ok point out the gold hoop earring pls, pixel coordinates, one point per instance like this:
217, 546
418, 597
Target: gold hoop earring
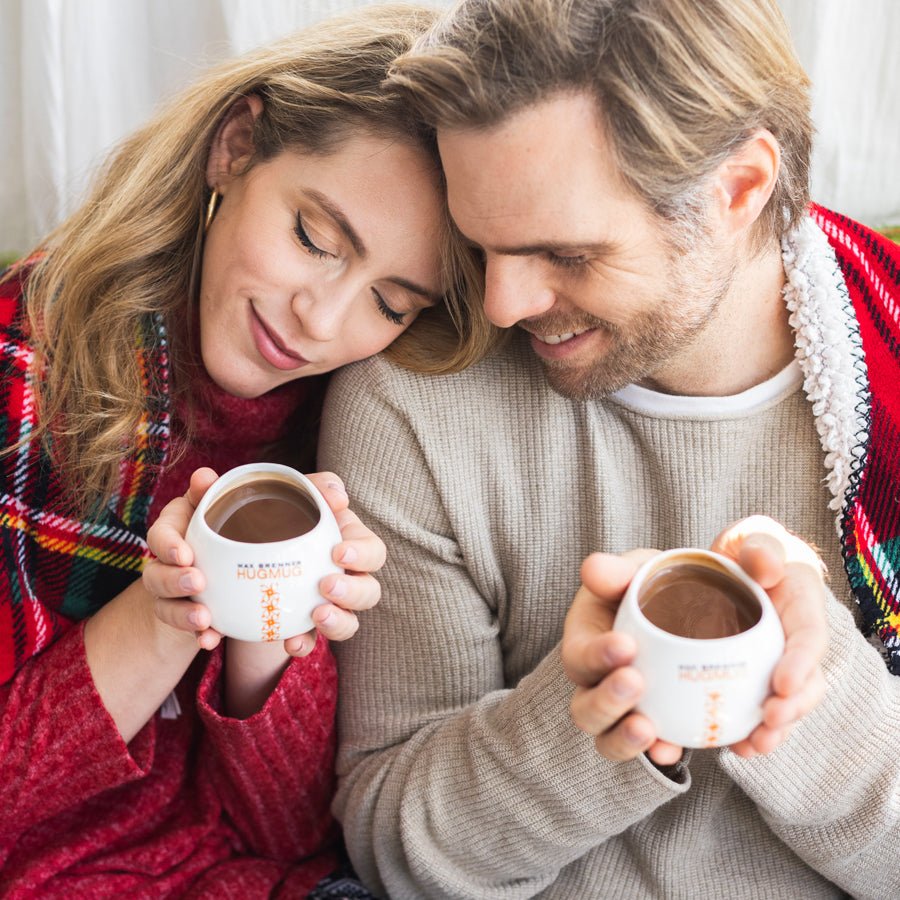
210, 209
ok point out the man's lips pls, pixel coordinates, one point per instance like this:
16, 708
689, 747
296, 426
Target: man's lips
559, 346
270, 346
558, 338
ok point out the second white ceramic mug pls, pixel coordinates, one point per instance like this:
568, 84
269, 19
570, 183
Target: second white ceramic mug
702, 692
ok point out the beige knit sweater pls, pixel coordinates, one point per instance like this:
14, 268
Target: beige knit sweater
461, 773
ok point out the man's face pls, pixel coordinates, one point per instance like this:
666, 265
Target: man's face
572, 256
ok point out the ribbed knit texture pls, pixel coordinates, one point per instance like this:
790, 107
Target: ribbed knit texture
198, 800
461, 773
199, 805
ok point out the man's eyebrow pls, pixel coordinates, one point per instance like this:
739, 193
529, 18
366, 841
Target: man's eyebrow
337, 215
573, 247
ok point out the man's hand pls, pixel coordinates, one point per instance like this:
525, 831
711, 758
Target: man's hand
608, 688
598, 660
794, 578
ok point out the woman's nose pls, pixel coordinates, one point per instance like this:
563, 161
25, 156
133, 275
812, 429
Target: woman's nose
514, 290
321, 312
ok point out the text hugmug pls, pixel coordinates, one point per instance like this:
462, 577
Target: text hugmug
263, 536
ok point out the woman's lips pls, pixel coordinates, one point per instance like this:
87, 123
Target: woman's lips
271, 348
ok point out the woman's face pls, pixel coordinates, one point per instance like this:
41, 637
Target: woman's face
314, 261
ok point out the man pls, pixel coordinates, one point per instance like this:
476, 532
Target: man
692, 344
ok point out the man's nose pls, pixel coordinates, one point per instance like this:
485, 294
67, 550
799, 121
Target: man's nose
514, 290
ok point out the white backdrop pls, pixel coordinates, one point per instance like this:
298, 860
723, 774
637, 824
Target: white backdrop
77, 75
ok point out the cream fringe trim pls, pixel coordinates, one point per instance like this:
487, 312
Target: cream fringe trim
829, 350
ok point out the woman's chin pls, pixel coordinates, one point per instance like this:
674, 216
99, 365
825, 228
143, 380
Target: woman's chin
231, 382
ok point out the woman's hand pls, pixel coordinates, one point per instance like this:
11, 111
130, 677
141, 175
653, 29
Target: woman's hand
170, 576
172, 579
360, 553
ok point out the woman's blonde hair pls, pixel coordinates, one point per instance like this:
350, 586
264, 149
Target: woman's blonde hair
679, 84
133, 249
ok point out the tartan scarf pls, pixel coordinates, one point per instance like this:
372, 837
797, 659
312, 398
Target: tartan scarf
843, 291
57, 569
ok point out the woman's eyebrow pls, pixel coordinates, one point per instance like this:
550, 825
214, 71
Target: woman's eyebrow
339, 217
416, 289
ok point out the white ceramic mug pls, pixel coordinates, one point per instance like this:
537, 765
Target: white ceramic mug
702, 692
264, 590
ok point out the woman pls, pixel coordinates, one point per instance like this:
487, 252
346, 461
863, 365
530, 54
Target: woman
283, 217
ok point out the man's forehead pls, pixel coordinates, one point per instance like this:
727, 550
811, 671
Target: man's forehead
559, 115
540, 170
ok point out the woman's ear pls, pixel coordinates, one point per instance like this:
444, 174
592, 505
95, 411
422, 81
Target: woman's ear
745, 181
232, 146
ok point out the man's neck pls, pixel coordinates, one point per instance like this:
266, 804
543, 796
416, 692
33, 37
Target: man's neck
747, 341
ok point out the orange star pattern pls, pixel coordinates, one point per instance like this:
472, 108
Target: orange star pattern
271, 614
713, 725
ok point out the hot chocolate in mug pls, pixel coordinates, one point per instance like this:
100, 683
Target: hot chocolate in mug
707, 639
262, 536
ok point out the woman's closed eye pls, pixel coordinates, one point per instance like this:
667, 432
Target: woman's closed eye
381, 303
306, 241
388, 312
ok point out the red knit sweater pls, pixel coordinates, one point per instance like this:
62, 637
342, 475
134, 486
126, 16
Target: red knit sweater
197, 804
200, 805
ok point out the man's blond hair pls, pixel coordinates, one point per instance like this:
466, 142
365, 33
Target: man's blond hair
680, 85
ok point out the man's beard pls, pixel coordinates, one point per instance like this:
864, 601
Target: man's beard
693, 294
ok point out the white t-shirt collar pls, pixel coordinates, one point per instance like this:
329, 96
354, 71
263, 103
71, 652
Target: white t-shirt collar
655, 403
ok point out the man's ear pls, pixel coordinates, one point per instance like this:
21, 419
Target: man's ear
232, 146
745, 181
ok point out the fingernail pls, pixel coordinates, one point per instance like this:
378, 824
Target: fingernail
194, 619
337, 486
350, 555
186, 583
339, 589
623, 689
633, 736
328, 620
173, 555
